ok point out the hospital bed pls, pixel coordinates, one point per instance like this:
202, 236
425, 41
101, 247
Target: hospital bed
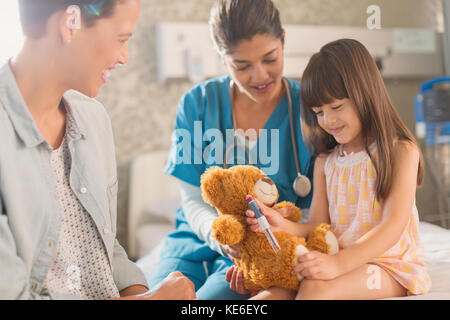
154, 198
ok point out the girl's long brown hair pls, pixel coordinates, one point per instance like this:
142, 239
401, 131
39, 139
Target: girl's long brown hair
345, 69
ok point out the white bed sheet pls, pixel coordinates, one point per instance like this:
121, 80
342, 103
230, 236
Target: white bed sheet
436, 241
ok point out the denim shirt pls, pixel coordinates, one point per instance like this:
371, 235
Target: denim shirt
29, 210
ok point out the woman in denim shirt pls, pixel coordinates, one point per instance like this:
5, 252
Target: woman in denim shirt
58, 181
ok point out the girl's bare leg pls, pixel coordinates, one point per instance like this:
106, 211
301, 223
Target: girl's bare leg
275, 293
369, 282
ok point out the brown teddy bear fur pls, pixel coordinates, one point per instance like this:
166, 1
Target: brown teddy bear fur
226, 190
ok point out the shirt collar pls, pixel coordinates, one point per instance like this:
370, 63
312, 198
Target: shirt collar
74, 129
21, 118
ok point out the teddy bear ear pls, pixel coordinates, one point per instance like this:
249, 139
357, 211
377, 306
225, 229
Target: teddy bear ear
266, 191
210, 173
212, 185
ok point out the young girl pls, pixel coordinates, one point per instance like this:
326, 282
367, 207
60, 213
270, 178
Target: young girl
366, 173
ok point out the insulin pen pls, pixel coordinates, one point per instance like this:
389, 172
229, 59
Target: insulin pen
263, 224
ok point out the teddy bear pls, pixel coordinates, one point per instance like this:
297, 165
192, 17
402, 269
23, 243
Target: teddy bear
226, 190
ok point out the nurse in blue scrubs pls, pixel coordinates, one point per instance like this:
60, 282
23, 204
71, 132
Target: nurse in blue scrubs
253, 98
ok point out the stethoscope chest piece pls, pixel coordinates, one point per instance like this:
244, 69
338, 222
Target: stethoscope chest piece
302, 185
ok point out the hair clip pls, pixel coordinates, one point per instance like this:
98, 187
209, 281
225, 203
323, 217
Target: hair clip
93, 8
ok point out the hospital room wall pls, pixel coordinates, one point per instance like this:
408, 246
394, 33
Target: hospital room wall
143, 111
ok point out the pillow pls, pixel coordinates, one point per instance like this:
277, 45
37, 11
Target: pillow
162, 211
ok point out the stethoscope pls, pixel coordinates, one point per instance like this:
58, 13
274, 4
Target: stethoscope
301, 184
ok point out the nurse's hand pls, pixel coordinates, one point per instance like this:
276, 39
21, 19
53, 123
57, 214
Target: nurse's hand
275, 217
231, 252
236, 279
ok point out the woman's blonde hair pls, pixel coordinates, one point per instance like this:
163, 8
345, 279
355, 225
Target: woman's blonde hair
35, 13
344, 69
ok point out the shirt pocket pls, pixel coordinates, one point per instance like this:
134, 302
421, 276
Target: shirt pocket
111, 193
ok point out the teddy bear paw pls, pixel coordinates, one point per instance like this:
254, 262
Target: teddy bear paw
299, 251
333, 244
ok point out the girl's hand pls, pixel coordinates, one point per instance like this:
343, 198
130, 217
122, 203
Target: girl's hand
315, 265
275, 217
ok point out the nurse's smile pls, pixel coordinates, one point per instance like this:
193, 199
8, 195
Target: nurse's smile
262, 89
256, 66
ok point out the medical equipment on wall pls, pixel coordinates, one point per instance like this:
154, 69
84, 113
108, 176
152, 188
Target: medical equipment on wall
302, 184
432, 109
185, 50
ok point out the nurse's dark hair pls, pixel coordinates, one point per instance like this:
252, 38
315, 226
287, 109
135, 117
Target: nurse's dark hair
344, 69
233, 21
35, 13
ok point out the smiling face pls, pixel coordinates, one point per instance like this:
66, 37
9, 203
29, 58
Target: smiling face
340, 119
96, 50
256, 67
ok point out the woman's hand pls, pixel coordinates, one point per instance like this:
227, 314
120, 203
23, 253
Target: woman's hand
275, 217
175, 287
315, 265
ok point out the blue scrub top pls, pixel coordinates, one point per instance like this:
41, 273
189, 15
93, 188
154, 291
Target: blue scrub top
205, 111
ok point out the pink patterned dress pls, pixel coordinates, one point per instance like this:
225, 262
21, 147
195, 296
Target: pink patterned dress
354, 211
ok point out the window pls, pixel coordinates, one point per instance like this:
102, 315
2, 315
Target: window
11, 37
